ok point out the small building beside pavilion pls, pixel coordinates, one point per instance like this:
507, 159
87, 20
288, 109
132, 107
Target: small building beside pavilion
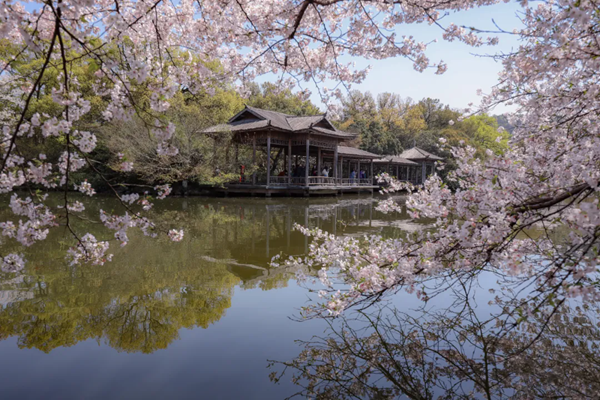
424, 158
413, 165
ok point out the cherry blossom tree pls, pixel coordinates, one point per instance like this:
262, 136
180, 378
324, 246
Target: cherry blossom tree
161, 48
547, 180
530, 215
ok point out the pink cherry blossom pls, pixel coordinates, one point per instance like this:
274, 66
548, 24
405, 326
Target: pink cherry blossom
12, 263
176, 235
89, 249
163, 191
86, 188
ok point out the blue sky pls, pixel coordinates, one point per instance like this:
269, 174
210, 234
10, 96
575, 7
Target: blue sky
467, 71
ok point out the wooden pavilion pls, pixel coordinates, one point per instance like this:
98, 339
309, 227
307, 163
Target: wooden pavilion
358, 161
424, 158
413, 165
398, 167
309, 143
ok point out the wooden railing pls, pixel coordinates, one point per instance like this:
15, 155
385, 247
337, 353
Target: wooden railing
318, 181
279, 180
284, 180
356, 182
321, 181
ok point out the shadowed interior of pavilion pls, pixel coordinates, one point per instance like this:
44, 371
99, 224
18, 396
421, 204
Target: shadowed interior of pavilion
315, 159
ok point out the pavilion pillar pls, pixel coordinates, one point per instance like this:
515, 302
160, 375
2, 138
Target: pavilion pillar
341, 168
349, 168
289, 161
254, 159
307, 164
407, 174
423, 177
358, 172
397, 171
268, 159
318, 161
335, 163
371, 174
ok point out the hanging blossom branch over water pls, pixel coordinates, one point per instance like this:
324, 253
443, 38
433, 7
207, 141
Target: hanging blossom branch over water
448, 353
530, 215
164, 47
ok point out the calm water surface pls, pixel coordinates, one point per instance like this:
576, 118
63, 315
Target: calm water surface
196, 319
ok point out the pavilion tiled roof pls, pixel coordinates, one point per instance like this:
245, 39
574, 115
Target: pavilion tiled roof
298, 123
336, 133
277, 119
354, 152
395, 160
238, 127
285, 122
419, 154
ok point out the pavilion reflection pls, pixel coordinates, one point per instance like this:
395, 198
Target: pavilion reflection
274, 223
272, 232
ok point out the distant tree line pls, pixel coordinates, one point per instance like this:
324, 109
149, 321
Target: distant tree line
388, 124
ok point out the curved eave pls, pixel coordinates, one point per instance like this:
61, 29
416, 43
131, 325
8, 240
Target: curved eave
352, 152
333, 134
395, 162
430, 159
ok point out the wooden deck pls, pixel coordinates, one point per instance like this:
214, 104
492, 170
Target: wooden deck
284, 186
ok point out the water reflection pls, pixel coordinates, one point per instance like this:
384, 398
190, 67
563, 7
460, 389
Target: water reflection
451, 353
153, 288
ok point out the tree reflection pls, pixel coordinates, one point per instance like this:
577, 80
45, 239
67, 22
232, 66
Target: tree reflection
153, 289
140, 310
451, 353
136, 304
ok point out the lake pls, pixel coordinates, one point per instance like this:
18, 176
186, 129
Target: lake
194, 319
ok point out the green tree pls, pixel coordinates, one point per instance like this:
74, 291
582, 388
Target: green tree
358, 106
376, 139
482, 132
269, 96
